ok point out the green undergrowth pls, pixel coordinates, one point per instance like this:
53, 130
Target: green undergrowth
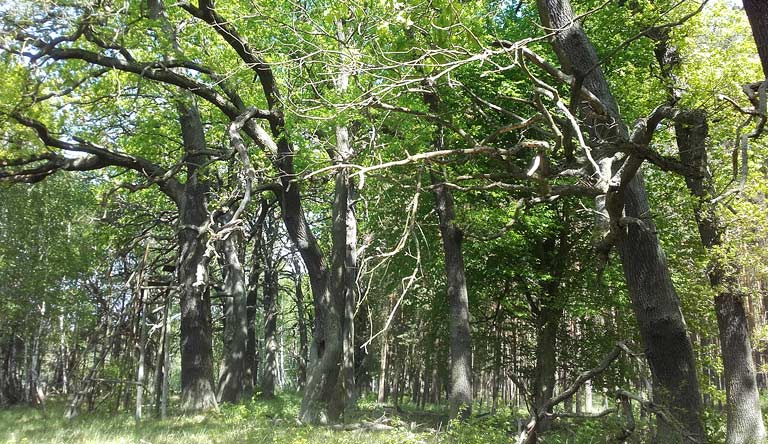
274, 422
260, 421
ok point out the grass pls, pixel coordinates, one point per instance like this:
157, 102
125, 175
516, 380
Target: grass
257, 422
273, 422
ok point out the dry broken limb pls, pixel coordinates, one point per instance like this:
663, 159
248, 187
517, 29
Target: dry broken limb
527, 437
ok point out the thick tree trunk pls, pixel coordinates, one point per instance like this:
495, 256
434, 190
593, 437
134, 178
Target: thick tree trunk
458, 303
251, 351
654, 300
324, 353
10, 383
757, 13
362, 362
301, 325
547, 325
252, 346
270, 374
663, 330
331, 385
552, 254
745, 421
344, 281
232, 373
196, 347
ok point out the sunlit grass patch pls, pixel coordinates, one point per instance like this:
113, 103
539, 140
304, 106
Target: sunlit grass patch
257, 422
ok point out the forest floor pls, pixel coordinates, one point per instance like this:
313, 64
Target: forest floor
268, 422
274, 422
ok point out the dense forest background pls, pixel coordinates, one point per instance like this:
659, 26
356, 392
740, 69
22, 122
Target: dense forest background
470, 221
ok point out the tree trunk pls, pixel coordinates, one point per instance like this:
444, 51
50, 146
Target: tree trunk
251, 353
745, 421
232, 373
548, 323
269, 375
196, 348
381, 396
301, 325
142, 343
497, 351
10, 383
35, 394
552, 254
458, 303
63, 358
344, 280
326, 343
757, 13
362, 362
252, 347
654, 300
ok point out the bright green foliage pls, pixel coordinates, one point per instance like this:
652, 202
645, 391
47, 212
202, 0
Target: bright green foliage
46, 248
397, 53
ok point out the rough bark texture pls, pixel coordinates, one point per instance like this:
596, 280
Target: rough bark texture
249, 377
232, 374
381, 395
196, 347
10, 382
281, 151
363, 363
301, 325
269, 374
654, 300
547, 324
745, 421
460, 344
458, 303
343, 281
757, 13
657, 309
552, 253
331, 385
254, 283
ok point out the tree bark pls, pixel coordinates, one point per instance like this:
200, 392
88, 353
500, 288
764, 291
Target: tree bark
251, 352
63, 358
232, 373
552, 254
654, 300
166, 356
142, 346
548, 323
35, 395
269, 375
252, 348
196, 348
381, 396
745, 421
343, 282
301, 325
458, 300
757, 13
331, 384
458, 303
